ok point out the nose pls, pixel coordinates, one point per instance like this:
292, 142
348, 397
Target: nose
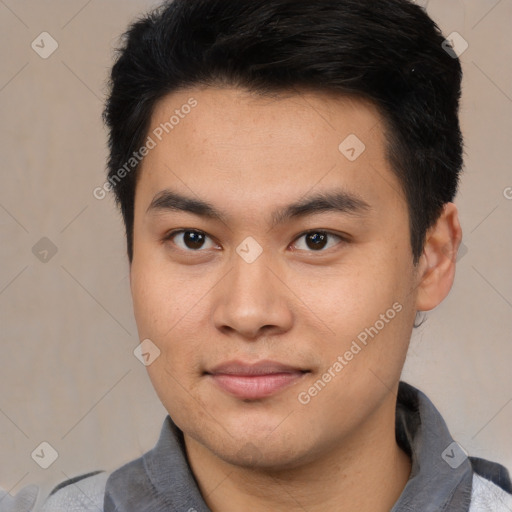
252, 300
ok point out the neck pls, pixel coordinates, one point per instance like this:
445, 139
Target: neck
366, 472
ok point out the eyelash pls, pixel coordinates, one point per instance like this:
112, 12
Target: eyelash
168, 237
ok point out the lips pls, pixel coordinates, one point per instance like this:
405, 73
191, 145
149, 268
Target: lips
254, 381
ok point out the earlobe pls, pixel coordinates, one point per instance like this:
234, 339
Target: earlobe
437, 263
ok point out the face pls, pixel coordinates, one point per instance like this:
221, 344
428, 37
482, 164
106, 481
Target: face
273, 270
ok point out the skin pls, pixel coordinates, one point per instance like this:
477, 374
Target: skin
298, 304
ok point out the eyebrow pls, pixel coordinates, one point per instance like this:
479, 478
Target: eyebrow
338, 201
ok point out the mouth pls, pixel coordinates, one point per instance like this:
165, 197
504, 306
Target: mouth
254, 381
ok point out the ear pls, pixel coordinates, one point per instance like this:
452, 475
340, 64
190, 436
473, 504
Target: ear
436, 268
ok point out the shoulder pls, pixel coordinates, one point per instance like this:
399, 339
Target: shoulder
492, 488
83, 493
24, 501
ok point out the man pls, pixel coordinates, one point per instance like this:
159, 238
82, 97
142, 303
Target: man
286, 173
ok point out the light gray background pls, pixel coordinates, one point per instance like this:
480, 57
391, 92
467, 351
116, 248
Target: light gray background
67, 369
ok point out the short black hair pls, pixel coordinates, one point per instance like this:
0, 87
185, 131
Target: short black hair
389, 52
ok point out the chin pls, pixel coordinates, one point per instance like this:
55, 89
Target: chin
265, 456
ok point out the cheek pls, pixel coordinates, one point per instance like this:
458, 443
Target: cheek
159, 297
163, 314
369, 304
169, 314
355, 297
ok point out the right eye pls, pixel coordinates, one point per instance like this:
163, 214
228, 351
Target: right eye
188, 240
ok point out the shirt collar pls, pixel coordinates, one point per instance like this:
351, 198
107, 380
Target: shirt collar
441, 474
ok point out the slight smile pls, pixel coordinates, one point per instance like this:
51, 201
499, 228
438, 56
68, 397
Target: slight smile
254, 381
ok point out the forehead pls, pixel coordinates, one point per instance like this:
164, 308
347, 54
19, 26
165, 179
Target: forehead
238, 146
266, 118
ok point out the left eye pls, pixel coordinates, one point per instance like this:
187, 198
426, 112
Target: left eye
317, 240
195, 240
